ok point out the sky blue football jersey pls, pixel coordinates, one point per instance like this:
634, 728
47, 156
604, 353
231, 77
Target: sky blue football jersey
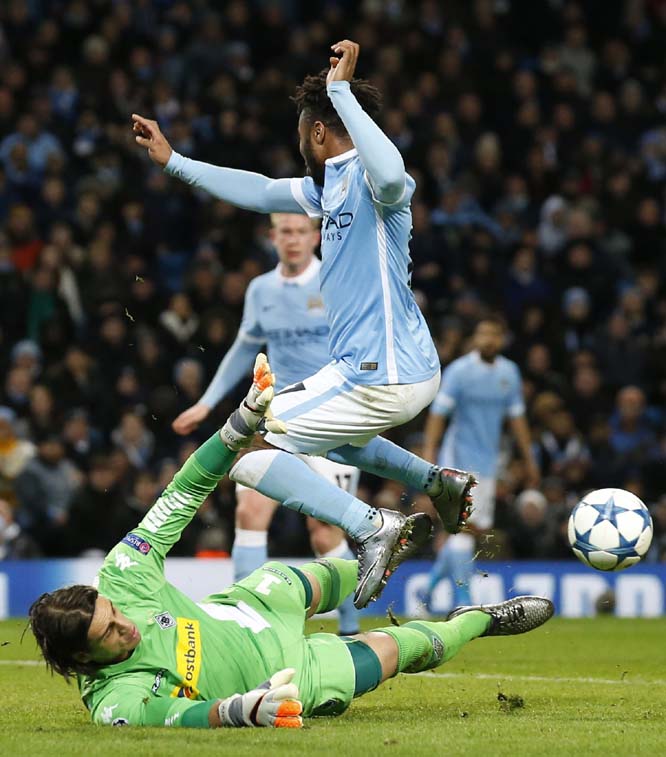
477, 396
287, 315
378, 334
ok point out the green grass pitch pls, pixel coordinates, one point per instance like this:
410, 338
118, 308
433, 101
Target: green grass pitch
573, 687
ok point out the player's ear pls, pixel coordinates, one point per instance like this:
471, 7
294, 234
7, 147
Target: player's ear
319, 132
83, 657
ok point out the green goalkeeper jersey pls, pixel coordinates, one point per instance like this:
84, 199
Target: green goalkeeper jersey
193, 652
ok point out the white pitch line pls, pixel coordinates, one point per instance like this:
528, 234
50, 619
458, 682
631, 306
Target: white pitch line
546, 679
479, 676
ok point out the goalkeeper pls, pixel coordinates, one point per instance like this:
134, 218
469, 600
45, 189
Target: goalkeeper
145, 654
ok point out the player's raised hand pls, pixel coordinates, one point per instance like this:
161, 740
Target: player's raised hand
147, 134
342, 68
274, 704
190, 419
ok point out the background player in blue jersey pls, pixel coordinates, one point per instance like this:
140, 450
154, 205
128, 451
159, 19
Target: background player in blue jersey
478, 391
284, 311
384, 367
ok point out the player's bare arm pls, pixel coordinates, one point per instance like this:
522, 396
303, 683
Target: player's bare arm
190, 419
432, 436
147, 133
521, 434
343, 67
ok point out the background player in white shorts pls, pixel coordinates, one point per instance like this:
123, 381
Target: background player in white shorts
384, 367
478, 391
284, 311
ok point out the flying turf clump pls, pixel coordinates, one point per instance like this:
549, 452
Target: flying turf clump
510, 703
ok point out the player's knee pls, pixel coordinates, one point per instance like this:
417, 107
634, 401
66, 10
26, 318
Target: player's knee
386, 650
314, 595
254, 512
326, 539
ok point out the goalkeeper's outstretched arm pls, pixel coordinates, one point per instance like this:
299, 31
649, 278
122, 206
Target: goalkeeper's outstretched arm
164, 522
273, 704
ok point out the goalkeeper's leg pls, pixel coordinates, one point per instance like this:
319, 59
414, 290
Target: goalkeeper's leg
422, 645
332, 580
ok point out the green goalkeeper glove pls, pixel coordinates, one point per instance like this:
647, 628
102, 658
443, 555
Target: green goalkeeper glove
273, 703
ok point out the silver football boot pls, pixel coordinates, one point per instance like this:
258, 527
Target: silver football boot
379, 555
454, 502
513, 616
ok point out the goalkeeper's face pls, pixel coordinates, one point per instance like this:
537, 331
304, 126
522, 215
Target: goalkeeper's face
111, 637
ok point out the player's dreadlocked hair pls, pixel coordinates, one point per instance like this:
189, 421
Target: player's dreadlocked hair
60, 622
311, 99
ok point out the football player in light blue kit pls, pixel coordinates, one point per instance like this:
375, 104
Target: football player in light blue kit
478, 391
284, 311
384, 368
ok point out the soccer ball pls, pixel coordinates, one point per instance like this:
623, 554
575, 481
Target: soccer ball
610, 529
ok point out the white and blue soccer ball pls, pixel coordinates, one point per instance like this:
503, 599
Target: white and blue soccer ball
610, 529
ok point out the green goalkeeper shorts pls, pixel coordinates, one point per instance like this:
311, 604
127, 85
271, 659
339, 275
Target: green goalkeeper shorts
325, 673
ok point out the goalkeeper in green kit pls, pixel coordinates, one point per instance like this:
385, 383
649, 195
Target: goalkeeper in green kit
145, 654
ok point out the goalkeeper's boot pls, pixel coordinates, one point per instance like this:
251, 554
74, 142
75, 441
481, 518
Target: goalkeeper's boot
379, 555
454, 502
517, 615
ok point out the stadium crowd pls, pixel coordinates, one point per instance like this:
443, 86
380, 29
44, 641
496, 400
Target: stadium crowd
535, 133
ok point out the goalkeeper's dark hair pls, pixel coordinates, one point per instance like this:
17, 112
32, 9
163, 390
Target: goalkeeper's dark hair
60, 621
312, 100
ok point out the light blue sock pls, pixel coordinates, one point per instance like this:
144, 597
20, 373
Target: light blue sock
455, 560
387, 460
461, 571
349, 622
249, 553
288, 480
439, 570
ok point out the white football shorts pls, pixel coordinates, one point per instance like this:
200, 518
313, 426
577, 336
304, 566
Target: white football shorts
327, 411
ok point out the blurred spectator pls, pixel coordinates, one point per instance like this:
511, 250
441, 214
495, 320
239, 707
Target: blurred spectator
40, 145
178, 320
632, 428
552, 228
134, 439
525, 286
589, 402
82, 441
578, 329
532, 528
45, 488
75, 380
14, 543
18, 385
26, 354
188, 376
561, 445
41, 417
15, 454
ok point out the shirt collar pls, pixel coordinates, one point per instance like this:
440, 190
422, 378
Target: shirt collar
342, 157
476, 358
304, 277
